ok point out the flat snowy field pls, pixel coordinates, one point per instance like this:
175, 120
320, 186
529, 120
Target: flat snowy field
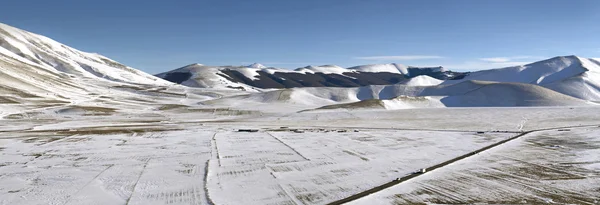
199, 157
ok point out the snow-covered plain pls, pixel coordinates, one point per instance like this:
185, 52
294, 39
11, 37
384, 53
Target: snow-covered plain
182, 156
549, 167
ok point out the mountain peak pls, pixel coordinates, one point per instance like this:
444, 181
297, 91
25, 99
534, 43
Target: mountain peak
193, 65
256, 65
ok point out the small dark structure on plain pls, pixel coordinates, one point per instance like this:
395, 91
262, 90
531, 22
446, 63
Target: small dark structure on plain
247, 130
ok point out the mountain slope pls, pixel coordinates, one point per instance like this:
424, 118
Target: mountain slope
54, 57
38, 73
257, 77
464, 94
571, 75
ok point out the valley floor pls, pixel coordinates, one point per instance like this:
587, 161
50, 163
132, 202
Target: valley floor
177, 157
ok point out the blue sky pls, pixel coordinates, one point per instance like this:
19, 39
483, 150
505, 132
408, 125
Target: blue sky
157, 36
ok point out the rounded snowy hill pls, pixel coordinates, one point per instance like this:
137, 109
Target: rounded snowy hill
571, 75
257, 76
422, 80
469, 93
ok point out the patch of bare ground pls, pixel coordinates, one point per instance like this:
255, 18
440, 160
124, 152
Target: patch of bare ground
114, 130
223, 111
18, 116
42, 139
129, 87
372, 103
171, 106
95, 109
8, 100
89, 110
20, 93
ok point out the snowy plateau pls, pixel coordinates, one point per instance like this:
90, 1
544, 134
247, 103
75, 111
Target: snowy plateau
80, 128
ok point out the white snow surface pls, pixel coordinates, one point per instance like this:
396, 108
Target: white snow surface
327, 69
422, 80
196, 155
257, 65
464, 94
211, 76
390, 68
570, 75
495, 176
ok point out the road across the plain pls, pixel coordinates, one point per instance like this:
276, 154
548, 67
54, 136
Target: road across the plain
437, 166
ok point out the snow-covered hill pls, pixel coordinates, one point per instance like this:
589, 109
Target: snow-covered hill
54, 57
399, 96
257, 76
570, 75
38, 73
422, 80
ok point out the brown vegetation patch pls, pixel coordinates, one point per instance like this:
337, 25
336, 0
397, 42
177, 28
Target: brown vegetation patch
171, 106
7, 100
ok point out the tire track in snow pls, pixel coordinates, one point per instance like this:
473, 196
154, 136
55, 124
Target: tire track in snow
216, 148
138, 180
298, 153
214, 155
206, 195
83, 187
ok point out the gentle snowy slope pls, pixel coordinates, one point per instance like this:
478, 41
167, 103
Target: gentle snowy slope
570, 75
465, 94
198, 75
257, 65
422, 80
390, 68
494, 94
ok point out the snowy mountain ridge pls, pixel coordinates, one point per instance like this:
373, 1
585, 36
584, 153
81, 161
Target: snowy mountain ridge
257, 76
571, 75
39, 72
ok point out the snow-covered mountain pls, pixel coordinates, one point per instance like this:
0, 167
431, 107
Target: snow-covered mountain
257, 76
571, 75
470, 93
54, 57
37, 72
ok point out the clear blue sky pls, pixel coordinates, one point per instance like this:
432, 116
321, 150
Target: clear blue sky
157, 36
